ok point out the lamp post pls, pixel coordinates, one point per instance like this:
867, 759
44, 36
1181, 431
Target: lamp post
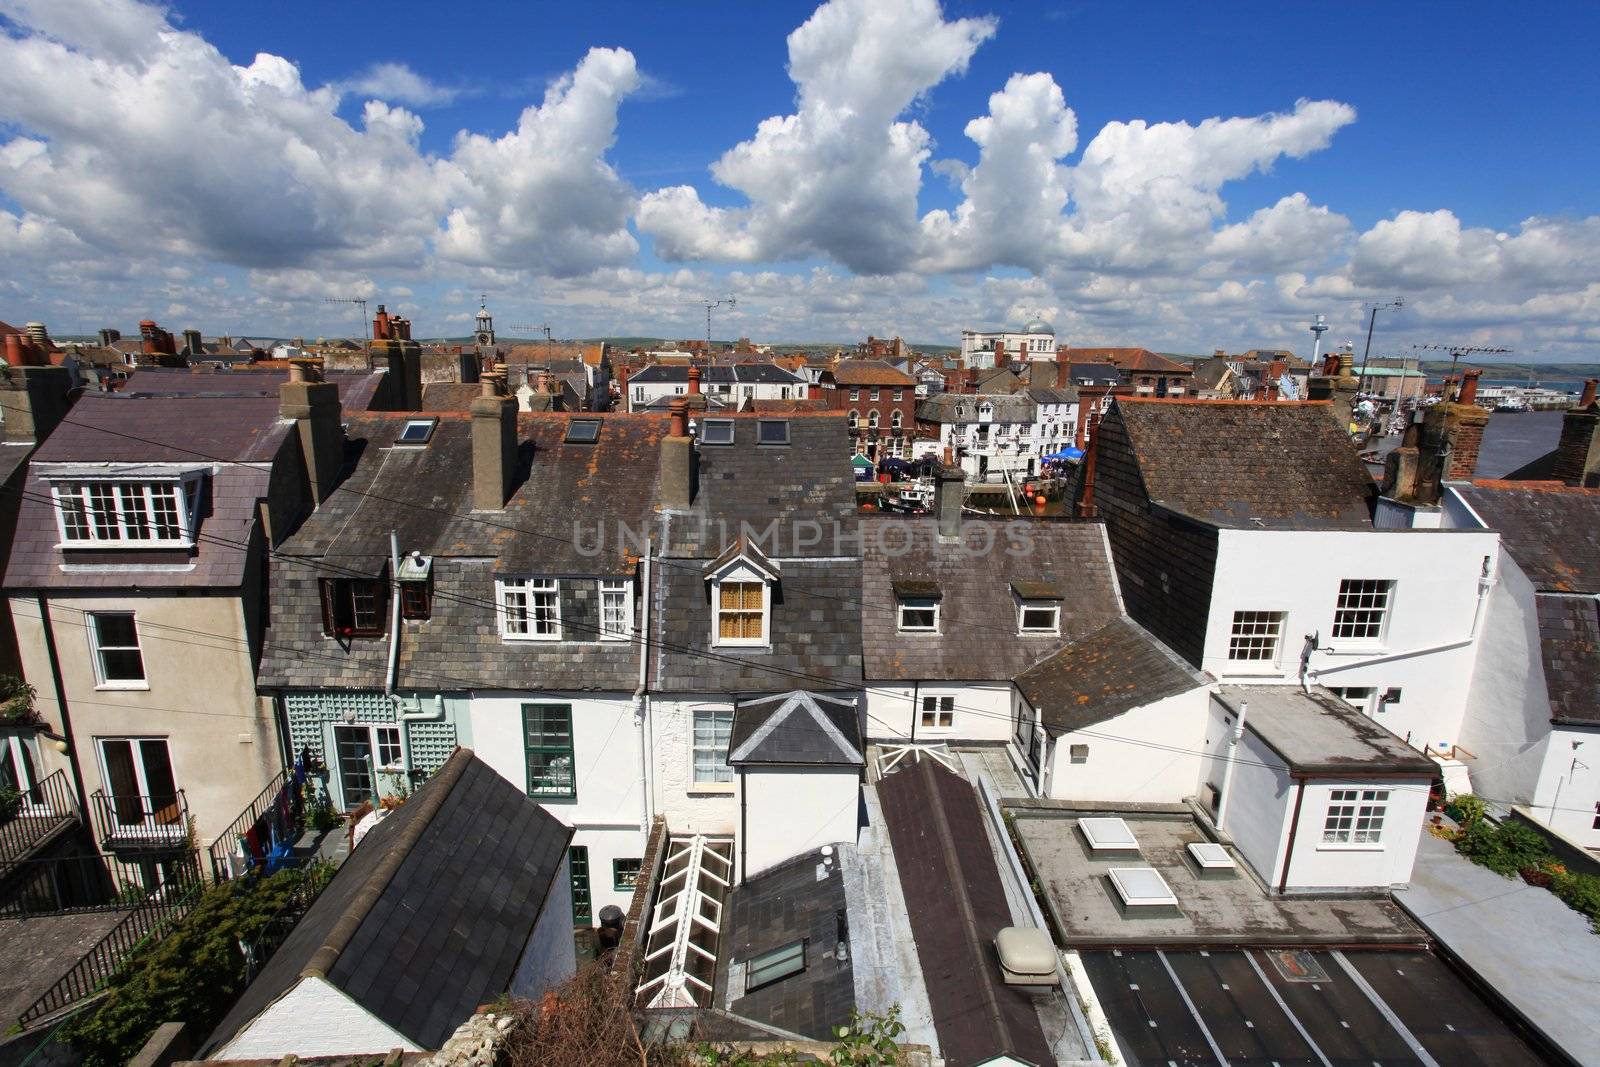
1372, 320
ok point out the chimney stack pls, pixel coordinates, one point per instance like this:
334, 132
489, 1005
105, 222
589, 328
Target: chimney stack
1469, 386
949, 492
36, 396
1578, 454
191, 343
680, 463
694, 380
494, 444
313, 405
40, 335
108, 335
1086, 505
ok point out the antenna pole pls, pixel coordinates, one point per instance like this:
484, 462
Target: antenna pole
1372, 320
732, 302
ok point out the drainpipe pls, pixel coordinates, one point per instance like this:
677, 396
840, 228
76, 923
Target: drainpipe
1227, 768
1294, 829
394, 615
61, 703
641, 696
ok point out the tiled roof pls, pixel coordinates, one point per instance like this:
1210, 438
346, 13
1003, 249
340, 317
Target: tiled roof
428, 917
1103, 674
565, 519
998, 381
356, 388
870, 372
1139, 360
798, 727
1551, 529
977, 638
1569, 646
449, 396
1246, 465
957, 905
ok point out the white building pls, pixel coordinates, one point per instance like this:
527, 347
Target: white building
1034, 341
726, 385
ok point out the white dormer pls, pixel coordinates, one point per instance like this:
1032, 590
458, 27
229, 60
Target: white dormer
127, 507
985, 412
741, 580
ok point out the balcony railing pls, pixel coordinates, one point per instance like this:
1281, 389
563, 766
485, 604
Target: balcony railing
39, 812
141, 820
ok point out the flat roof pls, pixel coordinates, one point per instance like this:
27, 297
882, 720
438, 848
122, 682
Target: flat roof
1315, 1007
1320, 735
1210, 910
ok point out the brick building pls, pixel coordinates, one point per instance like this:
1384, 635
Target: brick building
881, 402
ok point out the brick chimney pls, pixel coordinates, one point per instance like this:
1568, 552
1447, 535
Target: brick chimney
694, 381
313, 405
680, 467
1087, 509
1578, 454
108, 335
191, 343
36, 397
494, 444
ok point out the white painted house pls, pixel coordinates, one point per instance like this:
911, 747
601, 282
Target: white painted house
1034, 341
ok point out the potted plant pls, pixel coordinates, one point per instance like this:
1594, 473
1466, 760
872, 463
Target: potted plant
16, 701
10, 803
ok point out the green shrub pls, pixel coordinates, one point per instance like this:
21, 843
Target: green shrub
1581, 893
194, 974
1466, 809
10, 803
1505, 848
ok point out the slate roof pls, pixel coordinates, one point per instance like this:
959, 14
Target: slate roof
449, 396
962, 408
563, 520
998, 381
778, 907
1043, 394
1248, 465
957, 904
977, 639
1552, 530
356, 388
1099, 676
870, 372
237, 440
719, 373
429, 916
1095, 374
1569, 647
796, 728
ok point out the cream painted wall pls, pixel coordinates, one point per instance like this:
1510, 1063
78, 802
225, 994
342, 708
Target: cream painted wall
1436, 575
201, 696
982, 712
789, 811
690, 807
608, 814
315, 1018
1140, 766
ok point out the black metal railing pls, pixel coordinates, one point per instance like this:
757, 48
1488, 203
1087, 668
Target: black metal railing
40, 811
147, 922
141, 820
227, 842
94, 881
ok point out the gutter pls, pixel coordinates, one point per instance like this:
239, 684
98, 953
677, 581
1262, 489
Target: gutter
394, 615
641, 695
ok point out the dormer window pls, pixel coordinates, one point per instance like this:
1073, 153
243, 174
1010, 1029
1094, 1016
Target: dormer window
916, 606
354, 607
742, 580
986, 411
1038, 607
416, 586
530, 609
148, 513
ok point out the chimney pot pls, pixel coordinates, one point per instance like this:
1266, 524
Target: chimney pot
1469, 387
694, 381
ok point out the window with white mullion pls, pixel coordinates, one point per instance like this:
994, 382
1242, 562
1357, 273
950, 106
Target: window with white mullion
1362, 609
1355, 816
616, 610
530, 609
1255, 636
124, 512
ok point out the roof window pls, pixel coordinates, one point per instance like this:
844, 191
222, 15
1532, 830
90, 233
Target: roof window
582, 432
716, 432
774, 966
772, 432
416, 432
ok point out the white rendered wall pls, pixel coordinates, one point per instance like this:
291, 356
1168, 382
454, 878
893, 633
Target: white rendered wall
1568, 792
315, 1018
982, 711
1435, 596
1507, 723
1257, 814
1140, 765
690, 807
550, 956
608, 813
1315, 865
792, 810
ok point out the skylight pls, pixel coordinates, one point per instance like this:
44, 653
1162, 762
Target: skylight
582, 432
716, 432
1142, 887
774, 966
416, 432
772, 432
680, 959
1210, 856
1108, 835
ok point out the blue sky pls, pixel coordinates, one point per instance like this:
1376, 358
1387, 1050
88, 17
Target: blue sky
1437, 132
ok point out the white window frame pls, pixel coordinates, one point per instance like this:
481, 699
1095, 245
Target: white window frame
1355, 818
525, 628
611, 588
80, 491
1247, 633
917, 603
896, 420
855, 393
91, 628
723, 780
944, 707
1052, 606
873, 394
742, 575
1387, 586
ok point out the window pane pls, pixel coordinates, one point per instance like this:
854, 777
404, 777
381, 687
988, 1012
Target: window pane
164, 508
103, 513
114, 630
1362, 605
1255, 635
73, 516
134, 520
771, 966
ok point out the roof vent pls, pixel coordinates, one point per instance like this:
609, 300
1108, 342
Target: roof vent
1107, 835
1141, 888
